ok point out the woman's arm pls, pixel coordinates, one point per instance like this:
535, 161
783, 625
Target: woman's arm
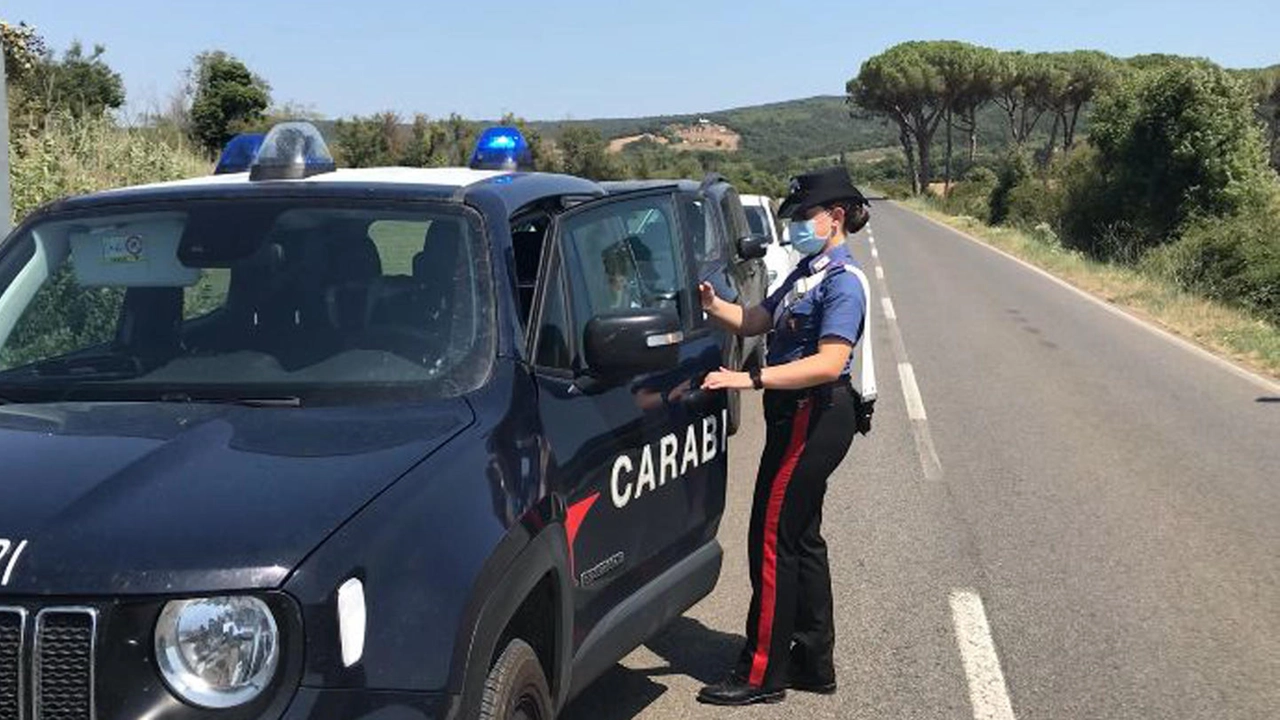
736, 319
824, 366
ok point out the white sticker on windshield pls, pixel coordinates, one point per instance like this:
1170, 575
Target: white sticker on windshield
123, 249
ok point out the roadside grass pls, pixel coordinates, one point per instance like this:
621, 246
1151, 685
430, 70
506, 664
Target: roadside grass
1223, 330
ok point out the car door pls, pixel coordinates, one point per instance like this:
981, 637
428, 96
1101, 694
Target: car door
640, 462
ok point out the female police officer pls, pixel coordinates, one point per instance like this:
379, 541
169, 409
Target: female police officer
816, 317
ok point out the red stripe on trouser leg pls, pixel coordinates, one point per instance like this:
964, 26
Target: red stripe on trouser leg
769, 558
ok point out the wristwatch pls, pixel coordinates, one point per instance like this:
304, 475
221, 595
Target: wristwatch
756, 381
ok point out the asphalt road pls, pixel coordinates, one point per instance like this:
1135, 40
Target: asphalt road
1074, 517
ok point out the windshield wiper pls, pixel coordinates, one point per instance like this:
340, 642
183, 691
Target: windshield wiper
279, 401
108, 366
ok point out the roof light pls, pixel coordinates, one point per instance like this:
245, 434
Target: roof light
292, 150
238, 155
501, 148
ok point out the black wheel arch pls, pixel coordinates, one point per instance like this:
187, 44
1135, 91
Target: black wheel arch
530, 555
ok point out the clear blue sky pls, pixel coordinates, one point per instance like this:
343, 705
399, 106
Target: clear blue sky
555, 59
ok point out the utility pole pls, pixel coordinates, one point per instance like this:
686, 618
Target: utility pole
6, 202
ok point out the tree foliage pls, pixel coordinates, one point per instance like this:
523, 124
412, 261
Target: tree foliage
226, 98
42, 85
1173, 144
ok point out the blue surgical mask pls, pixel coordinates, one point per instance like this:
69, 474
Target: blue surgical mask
805, 239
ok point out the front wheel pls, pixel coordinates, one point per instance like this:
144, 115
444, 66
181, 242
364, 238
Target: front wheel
516, 688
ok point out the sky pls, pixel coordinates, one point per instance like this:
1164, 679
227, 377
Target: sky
557, 59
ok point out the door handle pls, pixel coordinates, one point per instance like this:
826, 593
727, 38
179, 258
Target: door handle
664, 339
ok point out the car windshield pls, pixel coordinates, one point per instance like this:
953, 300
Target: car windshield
340, 300
757, 220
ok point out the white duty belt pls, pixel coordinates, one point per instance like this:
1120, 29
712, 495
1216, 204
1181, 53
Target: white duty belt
862, 351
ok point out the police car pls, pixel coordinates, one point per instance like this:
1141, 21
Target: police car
316, 443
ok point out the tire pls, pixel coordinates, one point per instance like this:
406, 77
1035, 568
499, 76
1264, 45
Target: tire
516, 688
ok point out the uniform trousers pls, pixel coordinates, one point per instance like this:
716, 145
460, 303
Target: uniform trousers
790, 627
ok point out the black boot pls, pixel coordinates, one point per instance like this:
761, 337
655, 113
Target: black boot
735, 690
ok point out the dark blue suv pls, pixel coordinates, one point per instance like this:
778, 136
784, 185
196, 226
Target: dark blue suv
386, 443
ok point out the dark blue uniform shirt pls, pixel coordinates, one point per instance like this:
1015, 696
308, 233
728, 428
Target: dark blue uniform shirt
802, 315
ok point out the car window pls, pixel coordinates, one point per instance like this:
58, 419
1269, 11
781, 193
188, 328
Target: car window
735, 219
554, 329
704, 238
623, 255
265, 296
757, 220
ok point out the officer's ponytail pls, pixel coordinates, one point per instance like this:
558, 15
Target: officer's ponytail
856, 215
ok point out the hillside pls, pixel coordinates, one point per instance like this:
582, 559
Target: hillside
805, 128
795, 129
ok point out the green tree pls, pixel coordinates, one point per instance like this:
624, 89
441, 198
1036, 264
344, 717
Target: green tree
1174, 143
967, 74
1264, 84
583, 153
79, 84
904, 85
370, 142
1024, 86
226, 98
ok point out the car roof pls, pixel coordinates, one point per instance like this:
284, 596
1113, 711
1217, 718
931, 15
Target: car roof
512, 189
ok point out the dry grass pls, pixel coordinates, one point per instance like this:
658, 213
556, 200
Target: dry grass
71, 157
1224, 330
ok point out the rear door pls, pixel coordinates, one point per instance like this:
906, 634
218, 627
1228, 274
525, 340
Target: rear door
641, 463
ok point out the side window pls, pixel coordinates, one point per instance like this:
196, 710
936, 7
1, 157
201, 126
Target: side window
735, 219
554, 329
624, 255
700, 225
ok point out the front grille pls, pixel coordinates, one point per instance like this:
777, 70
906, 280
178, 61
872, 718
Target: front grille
55, 663
64, 664
13, 625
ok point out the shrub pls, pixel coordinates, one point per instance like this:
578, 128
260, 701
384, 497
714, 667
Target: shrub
72, 156
970, 197
1234, 259
1014, 171
1034, 202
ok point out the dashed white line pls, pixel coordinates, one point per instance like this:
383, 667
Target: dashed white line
875, 253
879, 272
887, 304
911, 391
987, 691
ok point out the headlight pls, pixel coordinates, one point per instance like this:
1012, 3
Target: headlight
217, 652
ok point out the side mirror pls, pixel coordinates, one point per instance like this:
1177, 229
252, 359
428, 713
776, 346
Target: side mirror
633, 342
753, 247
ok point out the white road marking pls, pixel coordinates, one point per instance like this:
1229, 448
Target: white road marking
987, 691
1256, 379
911, 391
871, 239
930, 465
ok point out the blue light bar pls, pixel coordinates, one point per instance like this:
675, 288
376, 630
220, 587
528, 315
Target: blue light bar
501, 148
238, 155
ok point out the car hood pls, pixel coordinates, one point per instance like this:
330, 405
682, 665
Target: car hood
154, 498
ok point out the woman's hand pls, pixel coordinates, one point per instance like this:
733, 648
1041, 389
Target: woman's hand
707, 295
725, 379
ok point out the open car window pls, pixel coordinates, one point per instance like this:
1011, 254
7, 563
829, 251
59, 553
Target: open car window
261, 296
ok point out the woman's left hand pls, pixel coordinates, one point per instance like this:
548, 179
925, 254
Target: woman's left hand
725, 379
